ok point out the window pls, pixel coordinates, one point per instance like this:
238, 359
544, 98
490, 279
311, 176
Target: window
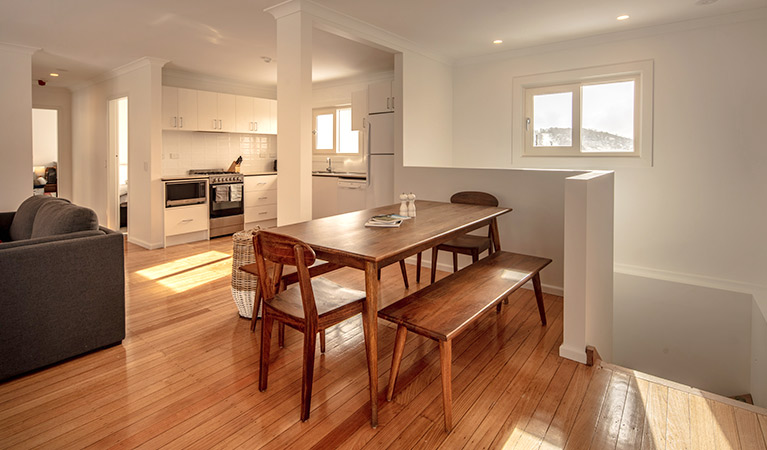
601, 116
332, 131
597, 118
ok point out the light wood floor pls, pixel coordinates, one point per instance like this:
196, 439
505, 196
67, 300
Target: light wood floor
186, 377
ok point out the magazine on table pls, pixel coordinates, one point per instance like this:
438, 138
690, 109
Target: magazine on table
386, 221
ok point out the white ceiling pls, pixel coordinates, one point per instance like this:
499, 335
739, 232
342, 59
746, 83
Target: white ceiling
227, 38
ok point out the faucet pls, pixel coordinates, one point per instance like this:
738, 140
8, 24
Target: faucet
329, 169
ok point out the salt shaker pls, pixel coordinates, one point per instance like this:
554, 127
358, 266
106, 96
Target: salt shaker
411, 205
403, 210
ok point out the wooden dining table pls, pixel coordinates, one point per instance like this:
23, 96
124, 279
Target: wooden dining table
345, 240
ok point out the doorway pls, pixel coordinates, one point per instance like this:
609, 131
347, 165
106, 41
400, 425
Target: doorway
118, 200
45, 150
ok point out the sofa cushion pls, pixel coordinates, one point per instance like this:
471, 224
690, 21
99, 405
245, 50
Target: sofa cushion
21, 227
55, 218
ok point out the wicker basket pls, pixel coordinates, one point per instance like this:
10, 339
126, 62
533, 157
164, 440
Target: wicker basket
245, 287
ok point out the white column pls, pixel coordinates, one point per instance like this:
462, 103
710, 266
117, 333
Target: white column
588, 309
15, 125
294, 113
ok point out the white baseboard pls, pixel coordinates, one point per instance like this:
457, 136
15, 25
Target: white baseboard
141, 243
575, 354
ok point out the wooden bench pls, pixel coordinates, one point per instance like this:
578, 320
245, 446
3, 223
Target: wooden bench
442, 310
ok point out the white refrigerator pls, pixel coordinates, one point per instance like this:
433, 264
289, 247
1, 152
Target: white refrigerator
379, 152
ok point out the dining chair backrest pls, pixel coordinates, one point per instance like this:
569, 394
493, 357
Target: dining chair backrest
474, 198
285, 250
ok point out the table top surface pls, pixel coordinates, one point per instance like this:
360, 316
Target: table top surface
345, 236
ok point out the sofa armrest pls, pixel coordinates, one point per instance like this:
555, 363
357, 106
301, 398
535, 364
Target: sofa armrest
6, 218
60, 299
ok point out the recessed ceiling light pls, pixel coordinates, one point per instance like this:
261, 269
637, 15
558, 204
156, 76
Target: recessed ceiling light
623, 17
497, 41
54, 74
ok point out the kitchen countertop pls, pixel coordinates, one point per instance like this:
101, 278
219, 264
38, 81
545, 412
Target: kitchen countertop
205, 177
352, 175
184, 177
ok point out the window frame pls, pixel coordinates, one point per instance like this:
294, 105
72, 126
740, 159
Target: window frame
545, 157
336, 132
322, 112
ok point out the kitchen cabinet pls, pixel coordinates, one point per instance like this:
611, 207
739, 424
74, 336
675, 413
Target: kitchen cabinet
216, 111
179, 108
186, 224
324, 196
359, 109
253, 115
350, 195
380, 97
260, 201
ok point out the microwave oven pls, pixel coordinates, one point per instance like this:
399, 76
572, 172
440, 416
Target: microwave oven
186, 192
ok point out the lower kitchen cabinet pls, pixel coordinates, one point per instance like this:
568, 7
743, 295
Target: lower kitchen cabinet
186, 224
324, 196
260, 201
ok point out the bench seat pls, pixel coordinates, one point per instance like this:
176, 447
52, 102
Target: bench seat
442, 310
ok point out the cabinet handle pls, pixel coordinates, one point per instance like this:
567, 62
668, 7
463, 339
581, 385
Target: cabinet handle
392, 103
175, 122
250, 126
215, 124
263, 212
186, 220
181, 120
262, 198
221, 124
255, 127
388, 99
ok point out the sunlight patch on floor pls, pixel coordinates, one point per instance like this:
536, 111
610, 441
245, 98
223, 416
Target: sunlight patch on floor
190, 272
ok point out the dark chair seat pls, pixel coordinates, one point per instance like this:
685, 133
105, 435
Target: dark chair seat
466, 244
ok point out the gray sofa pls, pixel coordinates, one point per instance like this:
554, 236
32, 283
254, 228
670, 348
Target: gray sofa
62, 285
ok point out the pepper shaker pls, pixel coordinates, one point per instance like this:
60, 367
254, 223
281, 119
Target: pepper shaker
411, 205
403, 209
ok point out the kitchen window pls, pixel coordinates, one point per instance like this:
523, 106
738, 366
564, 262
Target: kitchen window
601, 116
332, 131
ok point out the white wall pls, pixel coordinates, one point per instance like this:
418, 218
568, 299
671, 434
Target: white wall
141, 83
60, 99
690, 334
15, 125
692, 215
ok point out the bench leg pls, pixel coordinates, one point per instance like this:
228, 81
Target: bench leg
322, 341
445, 361
434, 253
498, 307
399, 347
403, 269
539, 297
455, 262
418, 268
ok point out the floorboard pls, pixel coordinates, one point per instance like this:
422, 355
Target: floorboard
186, 376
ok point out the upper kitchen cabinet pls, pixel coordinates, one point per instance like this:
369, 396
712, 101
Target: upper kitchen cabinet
380, 97
359, 109
179, 109
216, 112
254, 115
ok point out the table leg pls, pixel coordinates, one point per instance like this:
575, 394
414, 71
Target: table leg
495, 234
370, 328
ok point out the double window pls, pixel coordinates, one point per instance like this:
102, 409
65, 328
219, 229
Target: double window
603, 112
332, 131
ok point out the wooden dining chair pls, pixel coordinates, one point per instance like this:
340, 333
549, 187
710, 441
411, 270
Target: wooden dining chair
310, 306
467, 244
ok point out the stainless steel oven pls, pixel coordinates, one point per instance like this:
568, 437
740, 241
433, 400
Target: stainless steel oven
185, 192
226, 204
